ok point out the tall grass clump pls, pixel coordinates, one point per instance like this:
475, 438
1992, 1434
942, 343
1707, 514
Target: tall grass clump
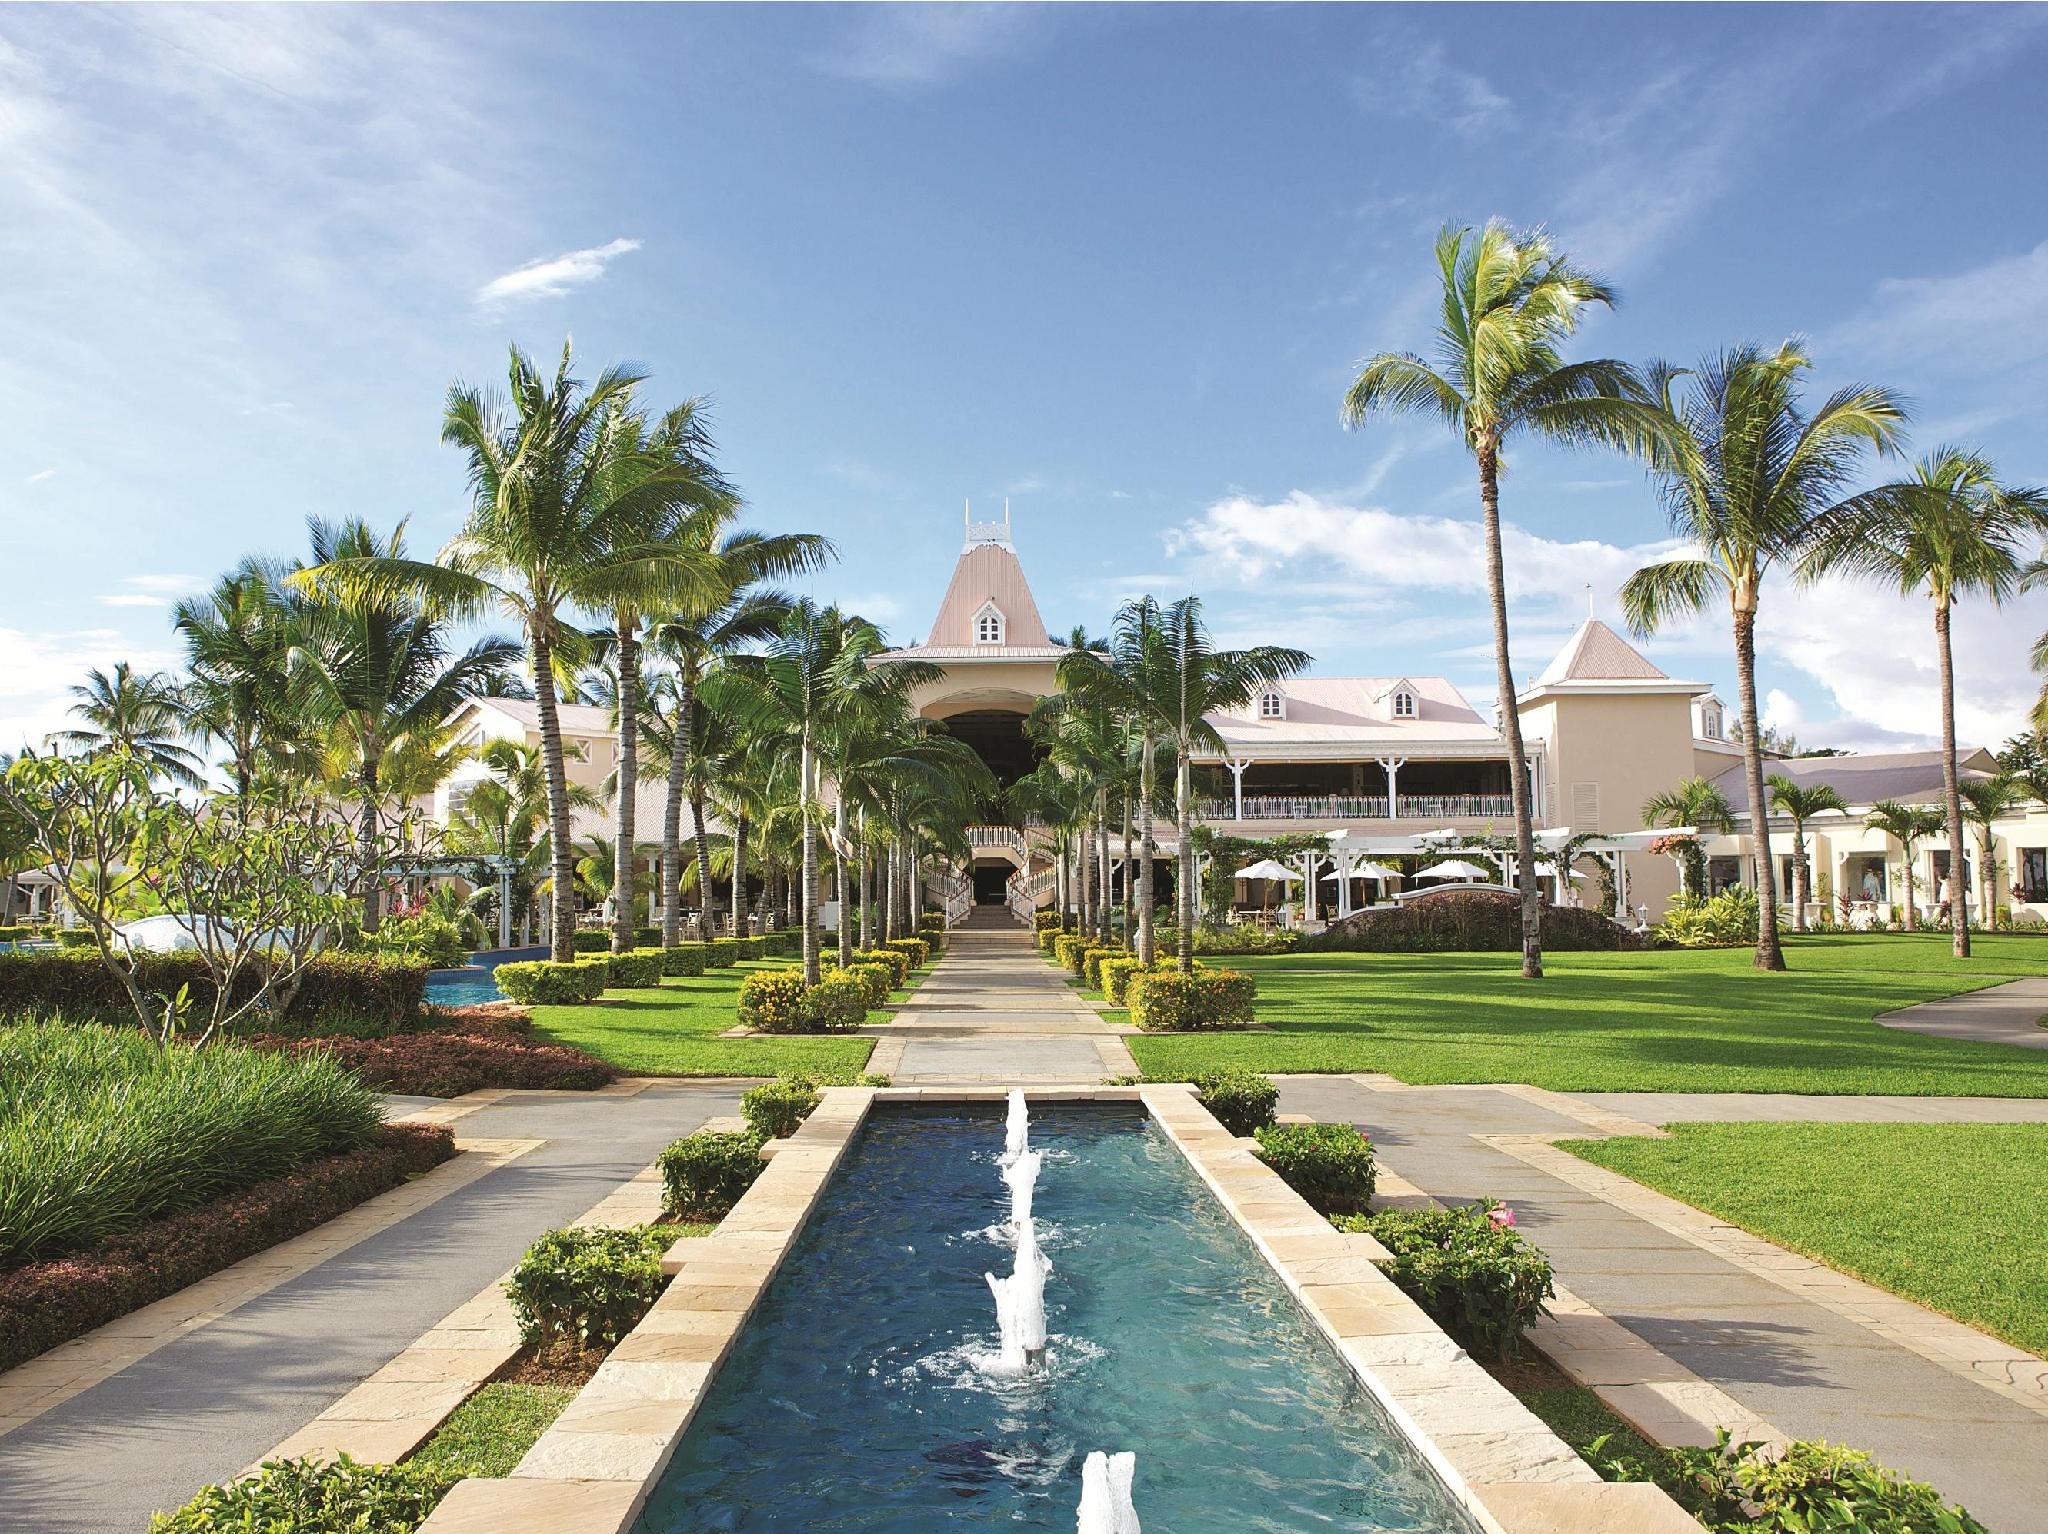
102, 1130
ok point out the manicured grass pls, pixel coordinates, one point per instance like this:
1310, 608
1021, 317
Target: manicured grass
1946, 1214
1673, 1020
490, 1432
675, 1031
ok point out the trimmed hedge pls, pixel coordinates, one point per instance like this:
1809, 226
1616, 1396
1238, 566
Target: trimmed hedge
772, 1001
723, 952
1244, 1102
754, 947
1466, 921
1045, 921
542, 982
1048, 940
46, 1303
639, 970
593, 940
1330, 1165
1468, 1267
310, 1496
778, 945
704, 1174
450, 1062
1166, 1001
896, 962
915, 949
777, 1108
839, 1003
366, 995
587, 1286
685, 960
1093, 960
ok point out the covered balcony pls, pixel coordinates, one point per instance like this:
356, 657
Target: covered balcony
1377, 789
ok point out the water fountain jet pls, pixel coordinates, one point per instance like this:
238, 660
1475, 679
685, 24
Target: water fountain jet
1106, 1495
1016, 1128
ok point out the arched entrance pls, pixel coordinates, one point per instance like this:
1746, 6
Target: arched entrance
996, 735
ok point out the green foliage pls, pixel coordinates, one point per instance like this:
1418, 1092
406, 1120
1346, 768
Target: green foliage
778, 945
704, 1174
1165, 1000
489, 1434
754, 947
1330, 1165
839, 1002
1048, 938
894, 961
590, 940
723, 952
587, 1286
686, 960
638, 970
307, 1496
772, 1001
777, 1108
1093, 960
102, 1129
427, 938
1243, 1102
1115, 972
1045, 921
362, 995
1465, 921
915, 949
1726, 920
541, 982
1069, 950
1467, 1267
1244, 938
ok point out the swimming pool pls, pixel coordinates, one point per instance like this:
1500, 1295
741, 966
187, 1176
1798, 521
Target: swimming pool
463, 987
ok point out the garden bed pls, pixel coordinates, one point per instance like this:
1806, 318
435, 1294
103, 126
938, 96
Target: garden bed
459, 1057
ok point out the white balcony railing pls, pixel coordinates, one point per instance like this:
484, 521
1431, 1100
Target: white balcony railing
1357, 807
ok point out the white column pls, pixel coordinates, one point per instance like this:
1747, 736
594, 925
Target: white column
1309, 860
1392, 766
1344, 866
1237, 765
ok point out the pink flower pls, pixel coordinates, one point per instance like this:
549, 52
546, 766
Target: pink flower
1502, 1216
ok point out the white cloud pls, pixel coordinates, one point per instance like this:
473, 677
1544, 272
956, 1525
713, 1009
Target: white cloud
555, 275
911, 45
39, 476
1411, 79
133, 599
37, 669
1992, 316
175, 585
1782, 711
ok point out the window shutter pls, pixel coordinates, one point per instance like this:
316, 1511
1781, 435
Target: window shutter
1585, 806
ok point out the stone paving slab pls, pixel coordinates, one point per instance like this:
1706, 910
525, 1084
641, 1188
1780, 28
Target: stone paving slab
1786, 1107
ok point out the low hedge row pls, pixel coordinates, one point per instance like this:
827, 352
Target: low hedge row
725, 952
587, 1286
367, 995
639, 970
894, 959
1167, 1001
450, 1062
544, 983
1468, 1267
915, 949
45, 1303
778, 1108
685, 961
1101, 954
704, 1174
1243, 1102
778, 1001
311, 1496
1466, 921
1330, 1165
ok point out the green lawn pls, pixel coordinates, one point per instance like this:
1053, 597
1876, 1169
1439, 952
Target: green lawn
490, 1432
675, 1031
1946, 1214
1674, 1020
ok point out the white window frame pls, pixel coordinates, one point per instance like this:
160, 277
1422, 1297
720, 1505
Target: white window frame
1406, 705
1272, 704
990, 618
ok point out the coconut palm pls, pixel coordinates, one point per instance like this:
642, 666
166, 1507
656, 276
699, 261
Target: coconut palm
1908, 825
1799, 803
505, 816
142, 713
1961, 534
1758, 483
1699, 804
1986, 801
1507, 301
733, 610
238, 638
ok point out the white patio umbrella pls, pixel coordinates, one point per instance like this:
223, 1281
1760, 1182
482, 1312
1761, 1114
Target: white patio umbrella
1266, 868
1549, 871
1455, 868
1366, 871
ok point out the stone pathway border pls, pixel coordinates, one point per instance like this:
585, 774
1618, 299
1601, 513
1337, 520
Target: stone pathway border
50, 1379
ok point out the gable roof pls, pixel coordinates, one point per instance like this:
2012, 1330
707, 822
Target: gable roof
1597, 654
1348, 711
1911, 776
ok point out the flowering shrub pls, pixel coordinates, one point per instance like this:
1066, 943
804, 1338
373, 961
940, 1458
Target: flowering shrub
777, 1108
1093, 960
1048, 939
1468, 1267
839, 1002
915, 949
1727, 920
704, 1174
1068, 949
1243, 1102
587, 1285
1116, 971
1465, 921
1330, 1165
1165, 1000
449, 1062
638, 970
895, 961
310, 1496
772, 1001
45, 1303
685, 960
1045, 921
541, 982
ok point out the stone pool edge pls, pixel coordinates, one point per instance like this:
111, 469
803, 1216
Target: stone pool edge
593, 1470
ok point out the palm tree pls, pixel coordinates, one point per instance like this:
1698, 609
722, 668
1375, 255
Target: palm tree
1756, 483
505, 815
1697, 803
1508, 299
732, 611
238, 640
1962, 533
1908, 825
139, 713
1986, 801
375, 668
1800, 804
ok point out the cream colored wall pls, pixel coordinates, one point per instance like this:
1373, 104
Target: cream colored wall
986, 685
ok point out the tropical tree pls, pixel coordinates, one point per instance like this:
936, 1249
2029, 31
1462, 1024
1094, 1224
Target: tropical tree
238, 638
1699, 804
1800, 803
505, 816
376, 668
1507, 301
733, 609
1908, 825
1986, 801
1755, 483
139, 713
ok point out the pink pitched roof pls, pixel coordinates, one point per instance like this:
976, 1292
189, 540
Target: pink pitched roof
1597, 654
988, 572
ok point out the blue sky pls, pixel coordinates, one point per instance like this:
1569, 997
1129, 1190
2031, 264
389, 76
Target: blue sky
1115, 264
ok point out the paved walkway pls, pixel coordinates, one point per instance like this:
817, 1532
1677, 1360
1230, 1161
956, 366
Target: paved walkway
205, 1405
1998, 1014
1810, 1368
993, 1011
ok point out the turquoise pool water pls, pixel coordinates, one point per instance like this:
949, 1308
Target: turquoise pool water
853, 1399
462, 987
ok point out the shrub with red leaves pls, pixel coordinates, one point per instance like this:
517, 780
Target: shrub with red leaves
45, 1303
452, 1061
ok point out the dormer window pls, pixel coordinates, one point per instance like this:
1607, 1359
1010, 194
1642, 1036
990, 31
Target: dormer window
1272, 705
988, 625
1710, 722
1404, 704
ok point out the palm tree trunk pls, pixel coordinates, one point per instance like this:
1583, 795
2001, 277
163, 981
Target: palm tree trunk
1184, 823
1768, 954
672, 816
366, 842
740, 927
1912, 919
809, 836
625, 866
1129, 897
707, 904
1988, 873
867, 883
1102, 865
1799, 875
839, 880
561, 856
1510, 717
1145, 851
1958, 886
